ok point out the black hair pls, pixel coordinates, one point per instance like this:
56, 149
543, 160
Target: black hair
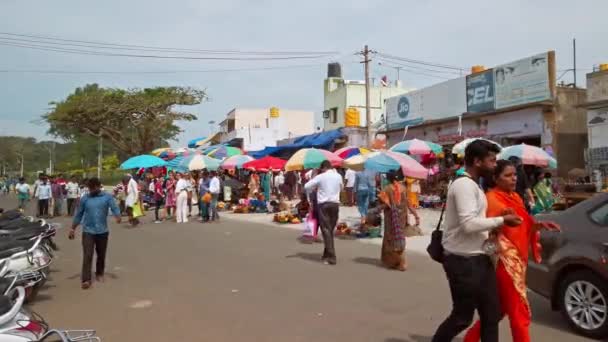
548, 175
325, 165
94, 182
394, 175
501, 165
22, 179
479, 149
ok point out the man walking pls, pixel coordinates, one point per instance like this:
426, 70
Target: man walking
214, 189
58, 194
73, 192
328, 185
23, 193
44, 195
467, 265
93, 213
350, 178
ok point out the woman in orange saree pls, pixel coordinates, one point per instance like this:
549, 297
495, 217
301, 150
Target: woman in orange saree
512, 246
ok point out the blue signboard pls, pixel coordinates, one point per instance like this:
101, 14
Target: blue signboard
403, 107
480, 92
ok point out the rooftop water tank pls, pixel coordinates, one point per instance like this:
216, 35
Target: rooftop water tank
334, 70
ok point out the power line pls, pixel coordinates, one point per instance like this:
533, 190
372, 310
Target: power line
106, 45
407, 69
414, 61
421, 68
108, 54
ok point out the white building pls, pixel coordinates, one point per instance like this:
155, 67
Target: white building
254, 129
341, 94
597, 118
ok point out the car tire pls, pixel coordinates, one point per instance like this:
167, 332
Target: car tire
583, 300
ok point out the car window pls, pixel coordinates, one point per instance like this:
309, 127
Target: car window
600, 215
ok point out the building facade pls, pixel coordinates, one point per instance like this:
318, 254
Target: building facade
341, 94
255, 129
597, 119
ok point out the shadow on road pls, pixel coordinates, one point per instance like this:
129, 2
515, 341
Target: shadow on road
368, 261
416, 338
315, 257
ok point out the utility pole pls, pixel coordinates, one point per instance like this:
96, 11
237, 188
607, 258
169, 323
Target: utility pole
368, 114
100, 156
574, 59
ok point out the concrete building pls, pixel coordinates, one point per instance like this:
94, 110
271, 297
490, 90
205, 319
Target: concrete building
255, 129
597, 119
341, 94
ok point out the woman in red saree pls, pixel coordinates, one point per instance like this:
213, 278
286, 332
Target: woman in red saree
512, 246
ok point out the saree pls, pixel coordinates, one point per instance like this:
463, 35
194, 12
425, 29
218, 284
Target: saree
544, 197
513, 245
395, 200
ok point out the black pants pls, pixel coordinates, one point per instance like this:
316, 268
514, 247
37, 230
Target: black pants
71, 206
473, 287
159, 204
43, 207
328, 217
93, 243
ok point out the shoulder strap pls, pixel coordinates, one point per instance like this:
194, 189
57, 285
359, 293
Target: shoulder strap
446, 200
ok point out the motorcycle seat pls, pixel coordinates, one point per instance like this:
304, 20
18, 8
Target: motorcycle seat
7, 253
11, 244
5, 305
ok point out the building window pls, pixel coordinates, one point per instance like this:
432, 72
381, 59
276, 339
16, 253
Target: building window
333, 116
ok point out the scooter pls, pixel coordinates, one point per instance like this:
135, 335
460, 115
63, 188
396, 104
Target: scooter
17, 325
35, 258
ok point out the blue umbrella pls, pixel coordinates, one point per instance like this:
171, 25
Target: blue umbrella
143, 161
193, 143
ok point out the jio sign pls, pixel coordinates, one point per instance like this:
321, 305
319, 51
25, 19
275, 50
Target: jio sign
403, 107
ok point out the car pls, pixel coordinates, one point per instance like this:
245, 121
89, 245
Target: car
573, 274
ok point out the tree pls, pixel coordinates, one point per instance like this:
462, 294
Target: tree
110, 162
134, 121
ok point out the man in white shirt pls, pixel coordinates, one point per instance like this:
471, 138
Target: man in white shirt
44, 195
73, 190
23, 193
467, 263
279, 180
181, 204
350, 177
214, 189
328, 185
132, 198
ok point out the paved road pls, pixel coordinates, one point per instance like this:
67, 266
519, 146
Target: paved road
238, 281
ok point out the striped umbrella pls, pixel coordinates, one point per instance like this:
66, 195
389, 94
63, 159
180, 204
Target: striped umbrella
386, 161
199, 162
459, 148
236, 162
417, 147
222, 151
349, 151
311, 158
529, 155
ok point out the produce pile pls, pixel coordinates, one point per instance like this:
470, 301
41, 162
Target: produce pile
286, 217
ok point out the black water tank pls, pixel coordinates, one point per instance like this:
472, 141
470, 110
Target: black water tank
334, 70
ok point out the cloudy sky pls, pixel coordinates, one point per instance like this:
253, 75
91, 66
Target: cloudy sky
459, 33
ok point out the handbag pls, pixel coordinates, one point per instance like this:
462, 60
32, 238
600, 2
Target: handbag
435, 248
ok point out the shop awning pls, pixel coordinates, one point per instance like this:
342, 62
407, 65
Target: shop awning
324, 140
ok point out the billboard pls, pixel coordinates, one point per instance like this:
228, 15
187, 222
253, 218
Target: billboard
480, 92
524, 81
440, 101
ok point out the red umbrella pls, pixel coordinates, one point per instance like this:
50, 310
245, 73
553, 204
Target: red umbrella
265, 164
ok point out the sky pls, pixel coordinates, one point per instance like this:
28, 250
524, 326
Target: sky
459, 33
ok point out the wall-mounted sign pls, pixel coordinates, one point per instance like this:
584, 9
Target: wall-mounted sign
523, 81
480, 92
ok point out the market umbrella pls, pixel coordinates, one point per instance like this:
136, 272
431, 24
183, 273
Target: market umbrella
386, 161
195, 142
222, 151
142, 161
199, 162
459, 148
236, 162
529, 155
311, 158
417, 147
349, 151
158, 151
265, 164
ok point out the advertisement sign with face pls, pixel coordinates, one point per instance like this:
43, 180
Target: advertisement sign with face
523, 81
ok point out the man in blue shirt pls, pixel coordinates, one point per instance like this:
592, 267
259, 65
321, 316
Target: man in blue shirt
92, 213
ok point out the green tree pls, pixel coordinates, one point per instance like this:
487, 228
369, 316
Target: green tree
133, 121
110, 162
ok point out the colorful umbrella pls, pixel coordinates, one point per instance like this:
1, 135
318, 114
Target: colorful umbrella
417, 147
459, 148
311, 158
349, 151
236, 162
142, 161
529, 155
385, 161
265, 164
199, 162
222, 151
158, 151
196, 142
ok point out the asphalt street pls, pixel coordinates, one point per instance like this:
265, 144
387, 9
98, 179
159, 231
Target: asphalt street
245, 281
